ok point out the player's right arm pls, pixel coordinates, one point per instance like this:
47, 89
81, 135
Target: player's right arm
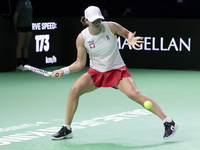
80, 62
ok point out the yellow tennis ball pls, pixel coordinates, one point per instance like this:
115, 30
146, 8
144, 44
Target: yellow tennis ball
147, 105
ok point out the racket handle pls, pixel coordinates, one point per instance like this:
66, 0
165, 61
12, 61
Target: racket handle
57, 74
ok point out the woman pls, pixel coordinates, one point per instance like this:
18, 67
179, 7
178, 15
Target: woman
23, 28
107, 68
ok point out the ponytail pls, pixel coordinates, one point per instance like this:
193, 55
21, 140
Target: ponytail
83, 21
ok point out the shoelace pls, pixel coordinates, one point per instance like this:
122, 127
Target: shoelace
167, 125
63, 128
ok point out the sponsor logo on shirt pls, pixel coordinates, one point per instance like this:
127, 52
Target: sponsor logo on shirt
92, 45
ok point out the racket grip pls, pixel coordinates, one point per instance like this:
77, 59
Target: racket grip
57, 74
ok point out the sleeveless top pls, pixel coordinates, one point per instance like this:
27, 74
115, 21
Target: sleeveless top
102, 49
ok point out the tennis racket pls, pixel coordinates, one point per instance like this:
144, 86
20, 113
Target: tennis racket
40, 71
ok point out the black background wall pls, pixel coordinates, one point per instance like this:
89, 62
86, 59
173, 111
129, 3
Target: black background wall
8, 43
169, 43
115, 8
166, 26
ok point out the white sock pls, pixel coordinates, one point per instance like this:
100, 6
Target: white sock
68, 126
167, 120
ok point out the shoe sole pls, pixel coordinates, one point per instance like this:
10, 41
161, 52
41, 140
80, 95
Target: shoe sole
174, 131
63, 137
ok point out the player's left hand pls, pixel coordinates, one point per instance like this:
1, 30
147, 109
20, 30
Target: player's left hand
134, 41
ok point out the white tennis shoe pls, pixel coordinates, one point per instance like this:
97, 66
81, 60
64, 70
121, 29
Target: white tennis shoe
21, 68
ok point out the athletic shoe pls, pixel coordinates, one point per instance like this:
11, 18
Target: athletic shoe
170, 129
63, 133
21, 68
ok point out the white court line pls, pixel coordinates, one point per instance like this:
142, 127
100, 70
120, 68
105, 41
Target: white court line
188, 146
29, 135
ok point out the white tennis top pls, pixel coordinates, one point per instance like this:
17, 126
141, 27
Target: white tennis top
102, 49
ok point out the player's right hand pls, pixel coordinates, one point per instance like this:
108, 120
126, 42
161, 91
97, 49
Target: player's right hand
57, 72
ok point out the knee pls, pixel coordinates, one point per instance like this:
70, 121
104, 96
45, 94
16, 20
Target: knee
134, 95
19, 47
75, 91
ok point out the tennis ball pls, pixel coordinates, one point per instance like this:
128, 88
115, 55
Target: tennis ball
147, 105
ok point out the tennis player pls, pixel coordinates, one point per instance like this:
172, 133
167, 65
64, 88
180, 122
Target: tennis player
107, 69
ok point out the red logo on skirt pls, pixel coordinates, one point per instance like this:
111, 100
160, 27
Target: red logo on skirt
92, 45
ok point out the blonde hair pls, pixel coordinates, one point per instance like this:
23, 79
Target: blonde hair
83, 21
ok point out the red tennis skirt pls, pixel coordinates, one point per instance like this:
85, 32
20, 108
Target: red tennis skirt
110, 78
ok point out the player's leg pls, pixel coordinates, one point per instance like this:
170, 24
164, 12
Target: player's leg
82, 85
127, 86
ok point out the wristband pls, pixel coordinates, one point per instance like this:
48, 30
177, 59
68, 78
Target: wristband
66, 70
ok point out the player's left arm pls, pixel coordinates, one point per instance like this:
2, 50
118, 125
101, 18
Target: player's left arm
119, 30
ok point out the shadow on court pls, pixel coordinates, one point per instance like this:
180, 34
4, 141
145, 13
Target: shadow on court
111, 146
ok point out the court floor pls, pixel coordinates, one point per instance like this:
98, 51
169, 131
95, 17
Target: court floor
32, 108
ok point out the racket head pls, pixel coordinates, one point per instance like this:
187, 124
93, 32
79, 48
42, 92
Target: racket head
38, 71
